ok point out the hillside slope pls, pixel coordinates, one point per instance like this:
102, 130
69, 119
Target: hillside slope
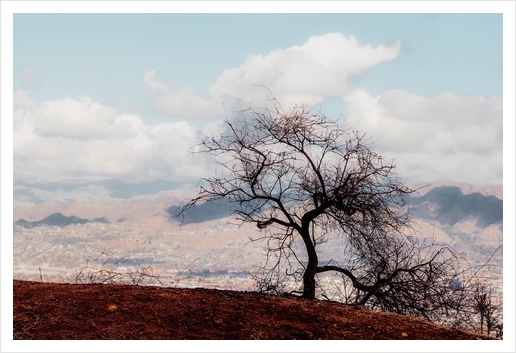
49, 311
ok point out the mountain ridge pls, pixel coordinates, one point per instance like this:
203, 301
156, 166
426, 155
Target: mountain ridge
448, 205
466, 188
59, 220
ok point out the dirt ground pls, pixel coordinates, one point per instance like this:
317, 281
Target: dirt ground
53, 311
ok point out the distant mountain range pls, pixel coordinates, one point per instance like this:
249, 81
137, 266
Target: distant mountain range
456, 213
201, 213
470, 222
57, 219
466, 188
448, 206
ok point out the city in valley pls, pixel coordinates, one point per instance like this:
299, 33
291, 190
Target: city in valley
214, 254
140, 241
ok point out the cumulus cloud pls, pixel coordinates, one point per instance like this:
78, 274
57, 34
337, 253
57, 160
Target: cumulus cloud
446, 136
78, 119
69, 139
305, 73
185, 104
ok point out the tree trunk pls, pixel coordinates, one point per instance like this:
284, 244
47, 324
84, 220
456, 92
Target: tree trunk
310, 271
309, 284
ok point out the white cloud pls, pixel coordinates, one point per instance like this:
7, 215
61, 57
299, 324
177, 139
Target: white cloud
78, 119
69, 139
217, 127
305, 73
148, 78
433, 138
21, 103
27, 77
184, 103
467, 167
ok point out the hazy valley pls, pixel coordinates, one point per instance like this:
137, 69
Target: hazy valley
61, 228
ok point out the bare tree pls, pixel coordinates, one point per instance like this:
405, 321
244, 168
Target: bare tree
104, 269
482, 311
303, 175
305, 179
486, 306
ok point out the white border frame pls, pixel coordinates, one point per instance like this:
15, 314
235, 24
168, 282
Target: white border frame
8, 8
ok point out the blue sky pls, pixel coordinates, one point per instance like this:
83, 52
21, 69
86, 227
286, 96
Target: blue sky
125, 96
103, 56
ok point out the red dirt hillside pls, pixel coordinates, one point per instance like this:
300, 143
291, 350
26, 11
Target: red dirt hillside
50, 311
